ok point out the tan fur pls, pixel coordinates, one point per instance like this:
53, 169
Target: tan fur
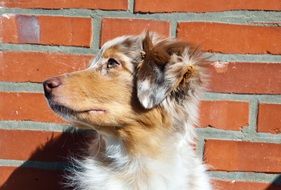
125, 118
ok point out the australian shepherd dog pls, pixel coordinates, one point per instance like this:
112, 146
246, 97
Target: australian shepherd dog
141, 95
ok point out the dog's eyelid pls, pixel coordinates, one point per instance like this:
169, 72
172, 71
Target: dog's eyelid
111, 63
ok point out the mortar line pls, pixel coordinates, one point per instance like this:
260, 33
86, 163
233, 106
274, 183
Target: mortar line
96, 32
265, 98
200, 147
93, 20
251, 58
243, 176
46, 48
234, 17
33, 164
34, 126
23, 87
173, 29
131, 6
204, 133
209, 96
253, 116
250, 131
212, 133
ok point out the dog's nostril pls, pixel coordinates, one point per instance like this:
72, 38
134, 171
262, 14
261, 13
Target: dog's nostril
53, 83
50, 84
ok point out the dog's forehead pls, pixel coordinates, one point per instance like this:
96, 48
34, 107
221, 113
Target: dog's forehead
123, 44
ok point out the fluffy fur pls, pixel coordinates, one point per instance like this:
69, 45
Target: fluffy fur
141, 95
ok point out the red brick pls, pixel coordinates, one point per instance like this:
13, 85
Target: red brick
243, 156
204, 6
26, 106
239, 185
112, 27
14, 145
29, 178
230, 38
42, 145
269, 118
228, 115
58, 4
255, 78
39, 66
49, 30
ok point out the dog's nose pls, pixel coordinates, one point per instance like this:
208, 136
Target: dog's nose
50, 84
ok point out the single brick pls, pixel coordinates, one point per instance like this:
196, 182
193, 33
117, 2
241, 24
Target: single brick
26, 106
28, 145
58, 4
38, 66
204, 6
42, 145
112, 27
245, 185
232, 38
228, 115
255, 78
224, 155
30, 178
49, 30
269, 118
67, 31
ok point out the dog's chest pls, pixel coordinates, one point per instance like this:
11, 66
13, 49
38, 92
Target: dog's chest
140, 175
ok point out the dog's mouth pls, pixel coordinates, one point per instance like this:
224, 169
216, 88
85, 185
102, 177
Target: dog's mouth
64, 110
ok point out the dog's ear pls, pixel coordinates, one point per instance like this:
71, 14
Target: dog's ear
161, 71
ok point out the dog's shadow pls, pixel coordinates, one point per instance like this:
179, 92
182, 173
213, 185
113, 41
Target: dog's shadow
35, 174
276, 184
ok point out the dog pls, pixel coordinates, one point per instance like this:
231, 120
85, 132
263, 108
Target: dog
141, 95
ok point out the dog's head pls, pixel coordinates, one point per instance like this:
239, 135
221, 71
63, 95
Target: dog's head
128, 83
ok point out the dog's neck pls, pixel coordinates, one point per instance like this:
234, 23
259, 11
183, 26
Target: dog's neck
136, 141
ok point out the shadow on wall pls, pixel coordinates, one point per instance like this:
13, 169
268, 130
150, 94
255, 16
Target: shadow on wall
276, 184
53, 156
48, 173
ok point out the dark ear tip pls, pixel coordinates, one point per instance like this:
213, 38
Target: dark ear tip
147, 43
147, 33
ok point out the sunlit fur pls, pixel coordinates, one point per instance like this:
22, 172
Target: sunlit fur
144, 109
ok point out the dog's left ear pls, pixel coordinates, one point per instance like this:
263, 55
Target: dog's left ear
161, 71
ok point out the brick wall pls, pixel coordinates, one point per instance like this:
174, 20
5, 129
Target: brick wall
240, 133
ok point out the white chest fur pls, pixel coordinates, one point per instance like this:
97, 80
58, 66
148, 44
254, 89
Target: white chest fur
178, 170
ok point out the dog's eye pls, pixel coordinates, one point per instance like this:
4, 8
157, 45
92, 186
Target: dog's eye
111, 63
